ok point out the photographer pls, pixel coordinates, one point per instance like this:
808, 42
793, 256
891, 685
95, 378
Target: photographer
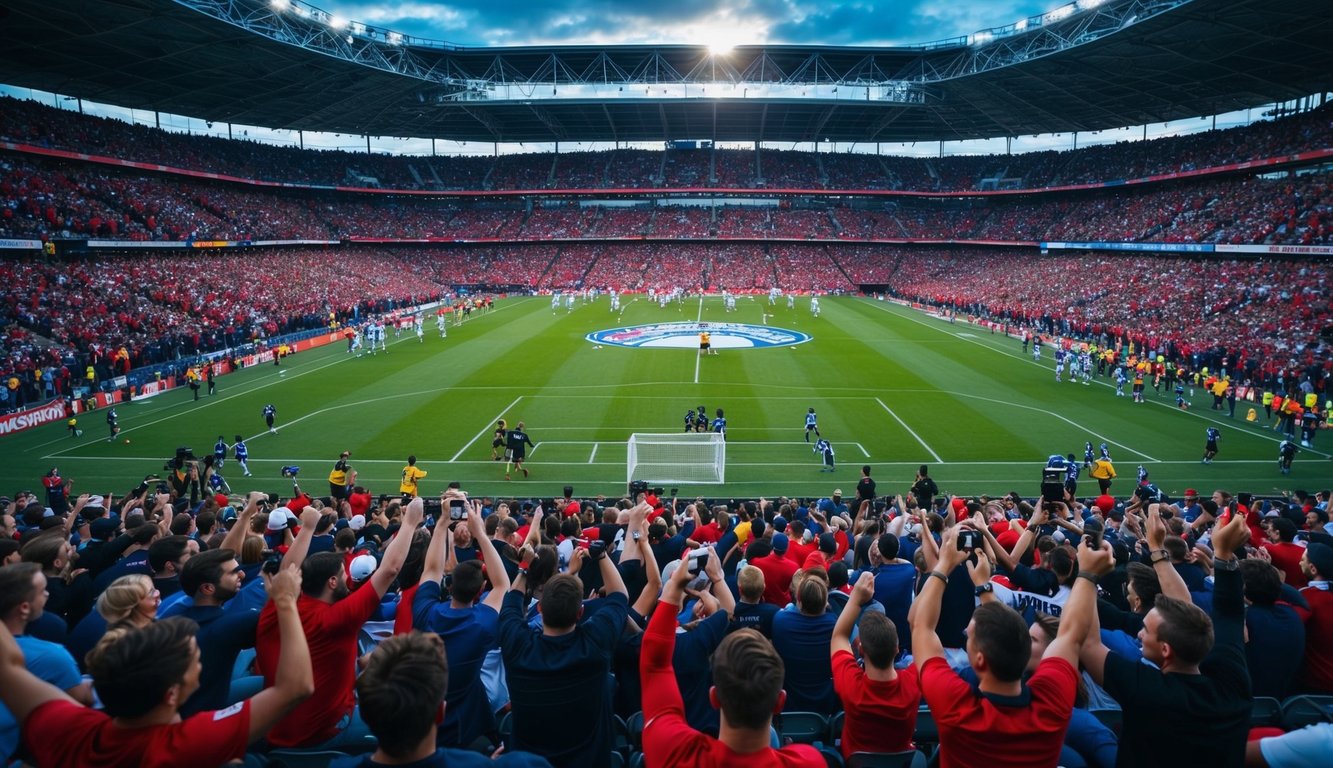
183, 475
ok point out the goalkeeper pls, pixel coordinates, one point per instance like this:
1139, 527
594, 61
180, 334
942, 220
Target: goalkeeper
824, 447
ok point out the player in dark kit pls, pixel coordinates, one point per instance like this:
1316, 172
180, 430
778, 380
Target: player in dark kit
270, 413
518, 442
498, 441
811, 424
1210, 448
112, 424
701, 419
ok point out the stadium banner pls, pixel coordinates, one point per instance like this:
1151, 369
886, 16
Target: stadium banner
20, 245
1149, 247
32, 417
137, 244
1284, 250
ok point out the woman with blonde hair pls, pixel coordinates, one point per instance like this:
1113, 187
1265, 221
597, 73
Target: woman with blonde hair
130, 601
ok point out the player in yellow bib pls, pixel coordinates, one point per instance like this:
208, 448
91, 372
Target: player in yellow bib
411, 475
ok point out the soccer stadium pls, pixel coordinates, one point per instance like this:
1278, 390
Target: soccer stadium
793, 403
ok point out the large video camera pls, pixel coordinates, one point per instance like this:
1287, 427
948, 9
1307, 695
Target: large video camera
184, 455
637, 487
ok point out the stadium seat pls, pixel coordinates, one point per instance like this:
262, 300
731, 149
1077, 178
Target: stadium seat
831, 757
927, 734
1300, 711
834, 736
908, 759
1265, 712
634, 731
506, 726
617, 760
636, 760
299, 758
802, 727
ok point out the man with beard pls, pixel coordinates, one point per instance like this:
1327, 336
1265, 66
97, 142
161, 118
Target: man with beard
211, 579
331, 619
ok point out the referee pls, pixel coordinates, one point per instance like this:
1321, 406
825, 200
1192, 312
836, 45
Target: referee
517, 444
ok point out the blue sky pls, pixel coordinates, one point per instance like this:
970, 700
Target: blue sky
736, 22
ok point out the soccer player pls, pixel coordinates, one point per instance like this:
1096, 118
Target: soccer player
823, 447
705, 344
689, 420
1036, 349
791, 301
1105, 452
112, 424
270, 413
1120, 380
1181, 402
1210, 448
810, 424
440, 324
814, 305
1085, 366
341, 478
555, 301
498, 441
1286, 452
518, 441
720, 423
73, 426
701, 419
242, 454
419, 322
220, 453
412, 475
1087, 455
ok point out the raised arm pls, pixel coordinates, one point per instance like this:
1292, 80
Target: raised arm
495, 567
926, 608
862, 593
396, 552
1081, 609
235, 537
725, 600
1173, 585
434, 567
648, 597
534, 537
299, 548
611, 580
295, 680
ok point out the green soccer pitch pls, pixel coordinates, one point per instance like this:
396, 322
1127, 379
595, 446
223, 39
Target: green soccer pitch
894, 388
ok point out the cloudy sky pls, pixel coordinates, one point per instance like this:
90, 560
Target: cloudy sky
730, 22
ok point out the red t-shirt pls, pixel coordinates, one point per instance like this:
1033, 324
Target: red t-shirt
880, 714
707, 534
988, 730
63, 733
816, 559
402, 615
667, 738
777, 571
1287, 558
798, 553
1317, 672
359, 502
331, 631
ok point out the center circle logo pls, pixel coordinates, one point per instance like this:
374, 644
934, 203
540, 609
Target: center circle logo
686, 336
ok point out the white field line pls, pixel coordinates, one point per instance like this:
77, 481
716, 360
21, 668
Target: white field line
911, 432
490, 426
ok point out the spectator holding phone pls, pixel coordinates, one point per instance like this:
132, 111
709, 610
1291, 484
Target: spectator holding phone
468, 625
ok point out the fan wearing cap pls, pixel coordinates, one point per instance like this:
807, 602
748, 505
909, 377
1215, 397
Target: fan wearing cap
331, 615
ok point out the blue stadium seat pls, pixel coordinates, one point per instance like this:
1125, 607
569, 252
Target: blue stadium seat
1265, 712
927, 734
831, 757
802, 727
634, 731
1300, 711
834, 736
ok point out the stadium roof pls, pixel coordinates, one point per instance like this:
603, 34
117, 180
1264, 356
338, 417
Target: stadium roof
1157, 61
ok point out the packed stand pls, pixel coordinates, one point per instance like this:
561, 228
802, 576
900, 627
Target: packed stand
367, 628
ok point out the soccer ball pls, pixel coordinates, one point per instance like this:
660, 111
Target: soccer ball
127, 441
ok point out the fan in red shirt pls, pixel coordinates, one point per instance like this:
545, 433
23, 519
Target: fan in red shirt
332, 617
880, 702
1002, 722
778, 570
1285, 553
142, 676
747, 677
800, 548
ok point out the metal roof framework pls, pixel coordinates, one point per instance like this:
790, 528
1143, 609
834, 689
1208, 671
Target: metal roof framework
253, 62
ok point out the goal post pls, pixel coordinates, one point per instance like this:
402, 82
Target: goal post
678, 457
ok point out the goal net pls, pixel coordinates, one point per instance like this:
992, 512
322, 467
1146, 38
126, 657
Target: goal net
684, 457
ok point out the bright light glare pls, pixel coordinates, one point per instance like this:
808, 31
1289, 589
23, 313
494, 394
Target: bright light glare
981, 38
1085, 5
279, 5
337, 22
1021, 25
395, 38
1063, 12
720, 49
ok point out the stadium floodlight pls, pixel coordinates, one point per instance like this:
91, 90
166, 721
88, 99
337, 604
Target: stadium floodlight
395, 38
981, 38
1020, 25
1063, 12
720, 49
675, 457
280, 5
337, 22
1087, 5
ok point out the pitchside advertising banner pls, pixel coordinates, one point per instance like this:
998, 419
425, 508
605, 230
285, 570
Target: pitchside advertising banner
33, 417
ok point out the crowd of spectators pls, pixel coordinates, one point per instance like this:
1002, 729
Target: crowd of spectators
589, 632
33, 123
42, 198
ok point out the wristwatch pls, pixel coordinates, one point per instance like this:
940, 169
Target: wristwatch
984, 589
